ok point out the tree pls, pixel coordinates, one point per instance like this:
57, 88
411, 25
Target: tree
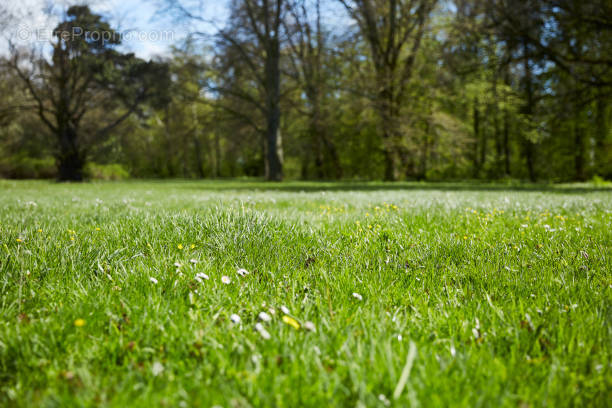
393, 30
252, 41
87, 87
307, 43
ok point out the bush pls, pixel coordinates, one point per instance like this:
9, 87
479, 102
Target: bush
106, 171
23, 167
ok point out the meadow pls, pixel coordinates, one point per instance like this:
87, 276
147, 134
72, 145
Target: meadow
240, 293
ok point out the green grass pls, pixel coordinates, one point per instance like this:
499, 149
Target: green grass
504, 293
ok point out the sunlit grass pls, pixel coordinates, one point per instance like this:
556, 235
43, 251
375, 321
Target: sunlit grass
243, 293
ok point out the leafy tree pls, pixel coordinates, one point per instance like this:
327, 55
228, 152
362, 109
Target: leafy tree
86, 88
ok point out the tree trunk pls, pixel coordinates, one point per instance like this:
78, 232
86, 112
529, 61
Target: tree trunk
476, 124
506, 144
578, 152
528, 145
70, 160
274, 168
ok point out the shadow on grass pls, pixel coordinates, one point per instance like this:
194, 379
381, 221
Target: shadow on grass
339, 186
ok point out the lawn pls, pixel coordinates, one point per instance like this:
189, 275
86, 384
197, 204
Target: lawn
372, 294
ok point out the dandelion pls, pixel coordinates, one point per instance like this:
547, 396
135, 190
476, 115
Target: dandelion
310, 326
226, 280
153, 280
291, 322
72, 238
264, 317
192, 246
262, 331
357, 296
97, 228
242, 272
180, 246
79, 322
284, 309
39, 230
235, 318
19, 240
465, 237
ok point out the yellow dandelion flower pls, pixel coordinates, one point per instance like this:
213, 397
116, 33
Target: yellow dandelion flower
180, 246
465, 237
291, 322
72, 238
19, 240
192, 246
39, 230
97, 228
79, 322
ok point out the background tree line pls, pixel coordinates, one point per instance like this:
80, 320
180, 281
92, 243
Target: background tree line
323, 89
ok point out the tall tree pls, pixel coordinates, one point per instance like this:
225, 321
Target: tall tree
84, 74
308, 49
252, 40
393, 30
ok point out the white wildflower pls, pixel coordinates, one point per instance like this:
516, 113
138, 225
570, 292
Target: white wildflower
357, 296
242, 272
262, 331
226, 280
201, 276
264, 317
285, 310
152, 279
235, 318
157, 368
310, 326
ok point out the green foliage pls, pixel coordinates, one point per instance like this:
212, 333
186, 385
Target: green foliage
106, 171
24, 167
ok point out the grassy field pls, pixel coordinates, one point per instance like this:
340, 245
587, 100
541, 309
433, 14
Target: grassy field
114, 294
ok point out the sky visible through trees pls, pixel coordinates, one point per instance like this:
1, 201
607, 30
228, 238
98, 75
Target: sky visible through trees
308, 89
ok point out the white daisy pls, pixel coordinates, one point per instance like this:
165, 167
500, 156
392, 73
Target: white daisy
235, 318
226, 280
310, 326
242, 272
264, 317
262, 331
285, 310
152, 279
357, 296
200, 276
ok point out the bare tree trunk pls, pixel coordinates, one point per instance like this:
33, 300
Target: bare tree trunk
476, 126
70, 160
528, 145
506, 143
578, 152
272, 76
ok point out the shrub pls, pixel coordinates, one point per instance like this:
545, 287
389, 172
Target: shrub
106, 171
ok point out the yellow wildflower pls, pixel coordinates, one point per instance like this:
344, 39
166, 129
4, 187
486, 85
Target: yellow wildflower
180, 246
291, 322
79, 322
